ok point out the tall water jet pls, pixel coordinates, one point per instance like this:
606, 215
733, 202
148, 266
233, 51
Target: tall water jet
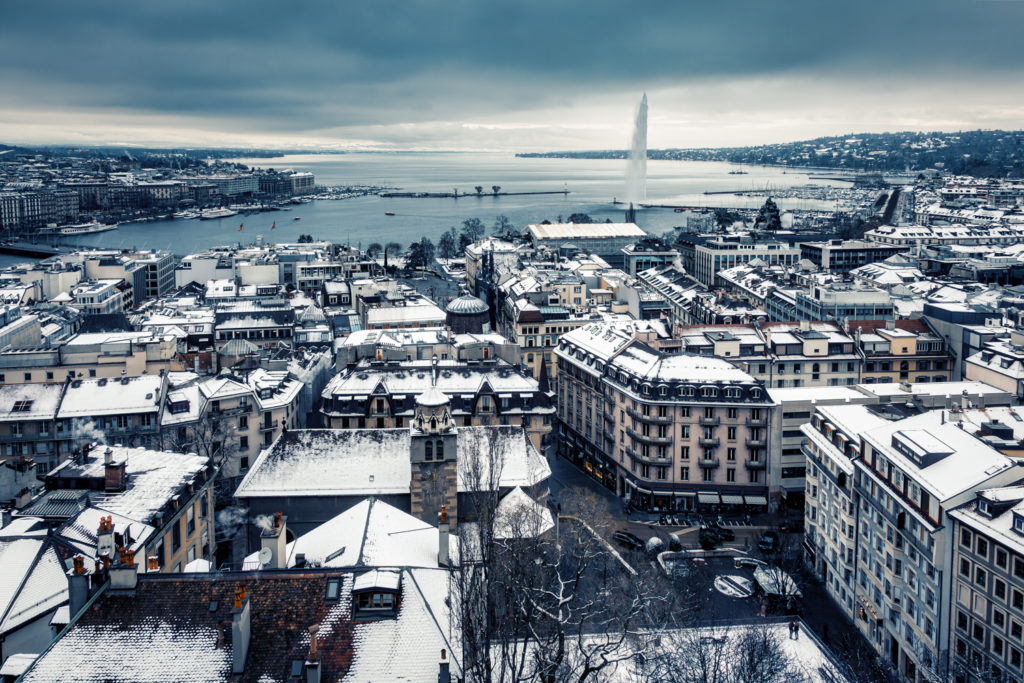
636, 172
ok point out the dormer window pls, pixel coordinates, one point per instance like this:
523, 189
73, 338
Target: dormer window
985, 507
375, 594
1018, 523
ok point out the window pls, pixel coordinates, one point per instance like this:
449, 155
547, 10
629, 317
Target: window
439, 449
684, 474
730, 474
243, 422
176, 536
428, 450
333, 589
243, 442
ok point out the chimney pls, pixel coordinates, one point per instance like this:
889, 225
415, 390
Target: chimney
890, 324
105, 537
113, 473
444, 674
442, 538
313, 662
276, 540
963, 400
78, 586
240, 631
23, 498
124, 576
153, 564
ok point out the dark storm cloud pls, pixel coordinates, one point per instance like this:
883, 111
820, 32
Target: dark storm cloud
301, 66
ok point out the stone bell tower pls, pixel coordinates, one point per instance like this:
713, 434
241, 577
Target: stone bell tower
434, 460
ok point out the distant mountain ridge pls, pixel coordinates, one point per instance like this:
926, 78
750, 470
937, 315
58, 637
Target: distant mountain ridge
979, 153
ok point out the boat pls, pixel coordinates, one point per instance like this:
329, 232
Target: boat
210, 214
87, 228
389, 213
298, 218
737, 173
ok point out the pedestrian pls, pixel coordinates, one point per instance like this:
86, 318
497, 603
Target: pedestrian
795, 627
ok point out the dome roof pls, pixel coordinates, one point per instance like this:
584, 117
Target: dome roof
432, 397
467, 304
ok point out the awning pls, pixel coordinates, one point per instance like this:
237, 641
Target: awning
707, 497
755, 500
684, 494
730, 499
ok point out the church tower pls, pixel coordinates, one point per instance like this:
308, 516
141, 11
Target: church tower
434, 458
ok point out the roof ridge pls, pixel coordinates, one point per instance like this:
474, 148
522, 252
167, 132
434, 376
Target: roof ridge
366, 528
426, 604
24, 579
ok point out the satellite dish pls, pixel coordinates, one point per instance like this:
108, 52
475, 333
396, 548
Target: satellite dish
265, 555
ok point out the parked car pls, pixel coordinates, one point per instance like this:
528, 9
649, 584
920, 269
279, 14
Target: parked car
711, 536
769, 541
748, 562
628, 540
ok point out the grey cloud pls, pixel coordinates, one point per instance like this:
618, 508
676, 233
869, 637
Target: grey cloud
304, 67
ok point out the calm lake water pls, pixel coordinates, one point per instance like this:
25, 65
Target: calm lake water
592, 185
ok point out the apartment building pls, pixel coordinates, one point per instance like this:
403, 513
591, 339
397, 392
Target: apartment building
987, 625
901, 351
172, 493
381, 395
1000, 363
668, 432
720, 254
110, 355
537, 329
842, 256
908, 474
231, 418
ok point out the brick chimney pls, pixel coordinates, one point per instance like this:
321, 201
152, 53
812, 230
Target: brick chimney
124, 576
313, 661
79, 586
114, 477
276, 539
105, 537
240, 630
444, 674
442, 538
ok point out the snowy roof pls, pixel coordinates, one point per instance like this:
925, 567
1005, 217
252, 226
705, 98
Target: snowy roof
16, 664
171, 629
520, 516
153, 477
334, 462
404, 314
570, 231
81, 531
370, 534
467, 304
94, 397
414, 378
386, 579
24, 402
32, 580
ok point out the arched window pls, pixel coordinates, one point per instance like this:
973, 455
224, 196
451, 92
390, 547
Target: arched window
440, 449
429, 450
904, 369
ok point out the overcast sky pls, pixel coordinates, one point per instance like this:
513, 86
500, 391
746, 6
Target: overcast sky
521, 76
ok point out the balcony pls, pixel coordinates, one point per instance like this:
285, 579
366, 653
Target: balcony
662, 420
710, 421
709, 443
609, 419
757, 422
650, 438
756, 464
228, 412
266, 426
708, 462
756, 443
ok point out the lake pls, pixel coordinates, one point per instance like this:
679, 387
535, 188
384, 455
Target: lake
592, 183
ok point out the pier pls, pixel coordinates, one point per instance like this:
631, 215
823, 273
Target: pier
456, 194
37, 250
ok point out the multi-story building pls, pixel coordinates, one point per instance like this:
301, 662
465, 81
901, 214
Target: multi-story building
170, 492
841, 301
382, 394
901, 351
103, 297
907, 475
722, 253
234, 185
231, 418
988, 564
125, 411
604, 239
28, 423
422, 343
661, 431
92, 355
537, 329
810, 354
1000, 363
842, 256
646, 254
675, 287
488, 258
302, 183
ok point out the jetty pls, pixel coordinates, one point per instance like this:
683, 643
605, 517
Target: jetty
456, 194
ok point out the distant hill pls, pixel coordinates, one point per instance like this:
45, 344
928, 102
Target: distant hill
980, 153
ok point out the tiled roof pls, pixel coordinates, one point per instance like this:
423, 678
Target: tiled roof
178, 628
